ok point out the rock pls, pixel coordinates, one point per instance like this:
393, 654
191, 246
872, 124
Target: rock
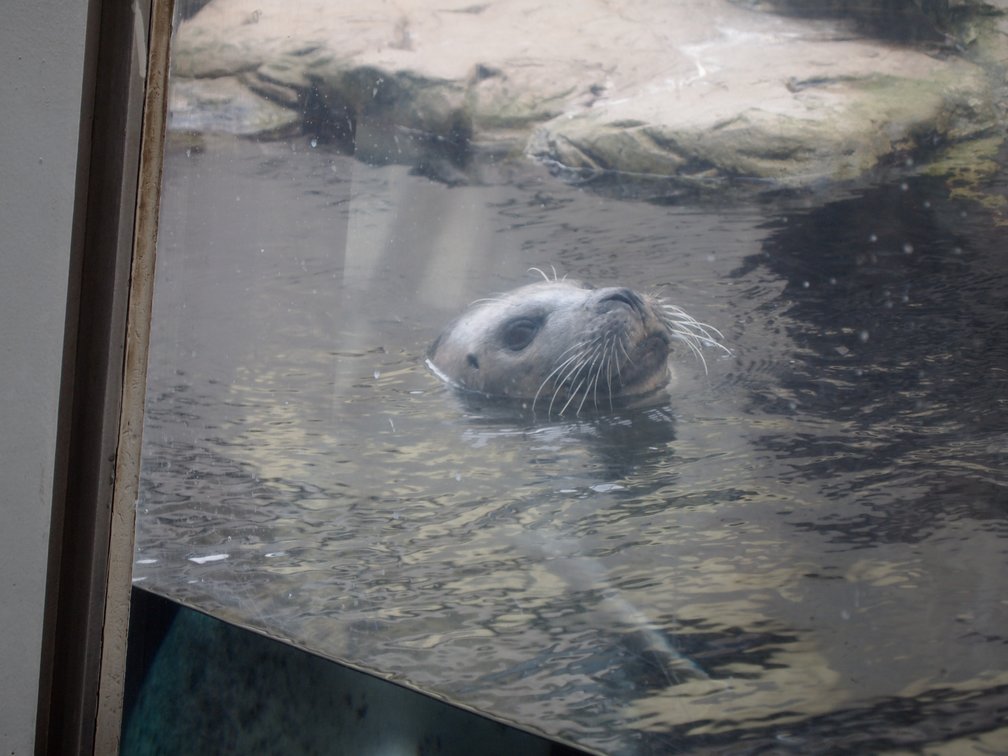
855, 105
227, 105
693, 90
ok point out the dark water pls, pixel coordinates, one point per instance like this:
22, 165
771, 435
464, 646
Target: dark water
803, 550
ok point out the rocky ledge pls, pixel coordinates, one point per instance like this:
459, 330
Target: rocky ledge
694, 90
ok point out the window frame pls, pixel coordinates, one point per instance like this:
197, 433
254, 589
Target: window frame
123, 115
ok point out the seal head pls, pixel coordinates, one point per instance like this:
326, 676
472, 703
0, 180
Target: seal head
562, 345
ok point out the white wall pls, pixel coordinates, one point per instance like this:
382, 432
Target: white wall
41, 70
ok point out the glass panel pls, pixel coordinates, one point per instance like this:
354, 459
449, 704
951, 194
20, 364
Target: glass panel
799, 537
210, 687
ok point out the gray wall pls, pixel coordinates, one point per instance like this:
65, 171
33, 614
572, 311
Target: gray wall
42, 60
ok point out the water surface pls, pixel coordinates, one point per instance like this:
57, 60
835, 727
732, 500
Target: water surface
802, 548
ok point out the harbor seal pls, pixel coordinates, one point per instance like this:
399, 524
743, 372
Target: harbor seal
561, 345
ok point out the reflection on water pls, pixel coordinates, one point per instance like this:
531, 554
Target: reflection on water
804, 549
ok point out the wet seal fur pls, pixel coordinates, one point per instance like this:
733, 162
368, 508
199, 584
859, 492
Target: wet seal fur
560, 345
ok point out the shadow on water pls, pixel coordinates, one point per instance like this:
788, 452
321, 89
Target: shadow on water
900, 301
893, 723
902, 21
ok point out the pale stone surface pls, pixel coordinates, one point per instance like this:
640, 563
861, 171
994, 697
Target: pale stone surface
830, 122
225, 103
693, 89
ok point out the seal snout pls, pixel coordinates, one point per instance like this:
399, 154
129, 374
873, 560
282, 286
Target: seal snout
621, 297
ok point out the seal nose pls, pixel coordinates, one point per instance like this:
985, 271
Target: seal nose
610, 298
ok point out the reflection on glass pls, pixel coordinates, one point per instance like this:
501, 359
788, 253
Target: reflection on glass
802, 541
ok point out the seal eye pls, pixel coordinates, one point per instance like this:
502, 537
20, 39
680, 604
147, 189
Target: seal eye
519, 333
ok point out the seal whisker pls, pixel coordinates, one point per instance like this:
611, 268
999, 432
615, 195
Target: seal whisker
541, 273
585, 381
698, 331
616, 360
585, 343
696, 350
549, 410
571, 398
566, 380
692, 341
687, 338
583, 366
682, 318
557, 369
693, 332
695, 340
546, 380
584, 398
611, 358
574, 365
626, 354
603, 356
680, 315
599, 367
593, 376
